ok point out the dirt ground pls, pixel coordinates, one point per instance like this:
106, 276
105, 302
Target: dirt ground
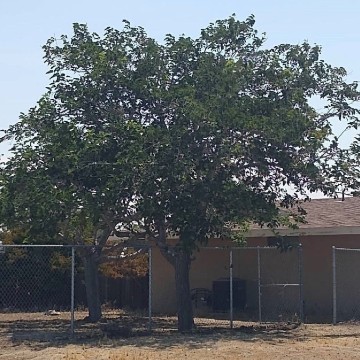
122, 337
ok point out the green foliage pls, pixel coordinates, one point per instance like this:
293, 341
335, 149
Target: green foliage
193, 136
232, 129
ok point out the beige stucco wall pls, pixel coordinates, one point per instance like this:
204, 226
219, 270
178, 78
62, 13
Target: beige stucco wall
317, 260
212, 264
208, 265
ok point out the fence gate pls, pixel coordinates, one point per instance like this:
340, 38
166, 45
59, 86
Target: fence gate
280, 285
346, 284
273, 281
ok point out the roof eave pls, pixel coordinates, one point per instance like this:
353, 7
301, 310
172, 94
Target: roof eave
317, 231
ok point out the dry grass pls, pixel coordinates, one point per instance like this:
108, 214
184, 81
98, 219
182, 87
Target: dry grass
36, 336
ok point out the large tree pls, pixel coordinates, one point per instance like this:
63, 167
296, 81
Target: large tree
189, 137
69, 178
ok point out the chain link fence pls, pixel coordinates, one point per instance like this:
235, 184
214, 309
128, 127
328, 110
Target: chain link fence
346, 284
259, 284
280, 285
35, 279
43, 290
35, 287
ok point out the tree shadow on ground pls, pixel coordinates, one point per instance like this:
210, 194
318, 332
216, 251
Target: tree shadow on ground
36, 330
134, 331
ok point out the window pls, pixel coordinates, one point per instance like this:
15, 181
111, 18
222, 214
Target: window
283, 242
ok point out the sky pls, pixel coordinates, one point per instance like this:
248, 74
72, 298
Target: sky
26, 25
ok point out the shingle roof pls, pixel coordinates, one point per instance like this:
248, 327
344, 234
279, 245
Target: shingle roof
323, 213
324, 217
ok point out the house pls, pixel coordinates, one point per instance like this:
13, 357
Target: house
330, 222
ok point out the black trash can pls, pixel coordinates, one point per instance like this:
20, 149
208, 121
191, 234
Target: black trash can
221, 294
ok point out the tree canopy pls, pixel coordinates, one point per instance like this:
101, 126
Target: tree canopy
189, 137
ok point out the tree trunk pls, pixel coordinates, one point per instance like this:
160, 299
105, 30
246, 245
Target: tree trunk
92, 286
182, 282
180, 259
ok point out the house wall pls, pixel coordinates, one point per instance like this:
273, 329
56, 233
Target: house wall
209, 264
317, 274
212, 264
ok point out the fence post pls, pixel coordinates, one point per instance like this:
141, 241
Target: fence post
72, 290
231, 289
259, 282
334, 283
301, 294
150, 288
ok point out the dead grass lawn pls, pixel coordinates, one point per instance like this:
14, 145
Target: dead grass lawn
36, 336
